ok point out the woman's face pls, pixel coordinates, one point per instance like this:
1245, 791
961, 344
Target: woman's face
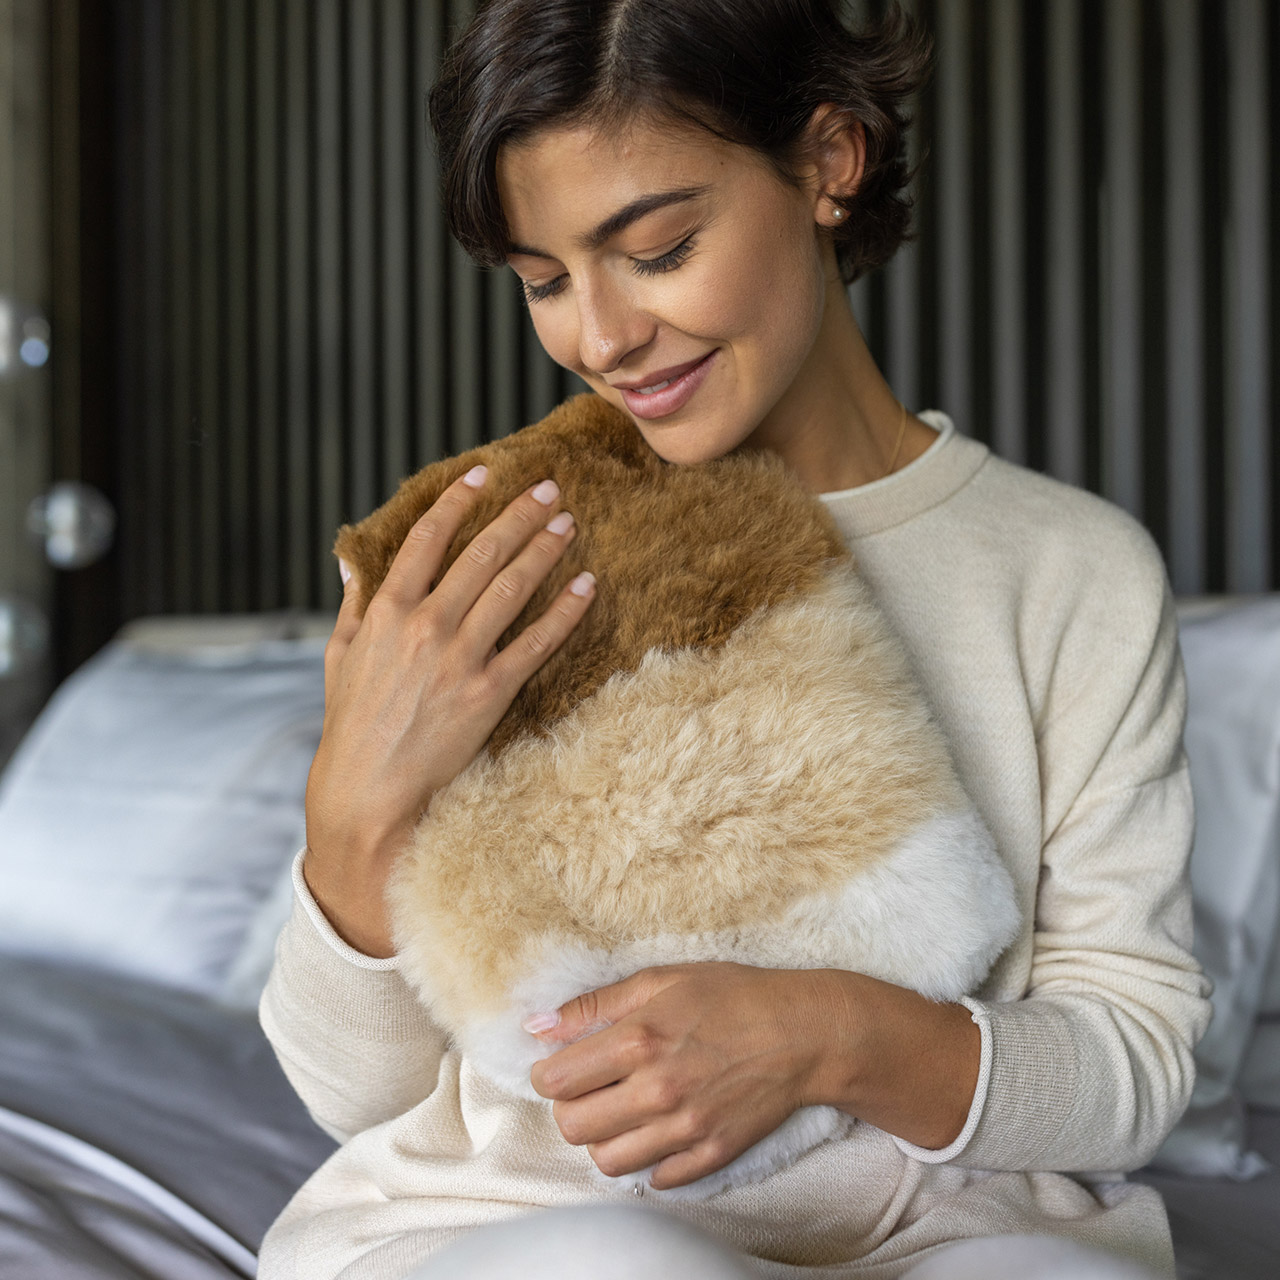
663, 255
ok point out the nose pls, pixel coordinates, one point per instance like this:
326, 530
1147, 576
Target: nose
610, 325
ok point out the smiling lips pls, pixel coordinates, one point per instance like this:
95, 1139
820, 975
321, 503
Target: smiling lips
669, 391
648, 391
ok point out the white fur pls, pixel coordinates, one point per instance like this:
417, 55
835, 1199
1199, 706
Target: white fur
799, 1133
934, 916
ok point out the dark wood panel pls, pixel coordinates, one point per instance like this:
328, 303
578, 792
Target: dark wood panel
336, 465
295, 331
239, 517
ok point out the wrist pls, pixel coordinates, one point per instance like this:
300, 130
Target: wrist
354, 908
836, 1076
322, 928
896, 1059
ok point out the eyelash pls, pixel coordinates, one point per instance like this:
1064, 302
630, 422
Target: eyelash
643, 267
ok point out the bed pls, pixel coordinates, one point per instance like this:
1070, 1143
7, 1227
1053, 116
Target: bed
147, 823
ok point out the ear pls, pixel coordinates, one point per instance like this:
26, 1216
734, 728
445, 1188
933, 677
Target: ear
835, 151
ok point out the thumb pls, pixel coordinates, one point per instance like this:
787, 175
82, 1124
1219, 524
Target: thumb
345, 627
592, 1011
352, 609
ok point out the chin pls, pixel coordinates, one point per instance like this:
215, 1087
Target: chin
686, 441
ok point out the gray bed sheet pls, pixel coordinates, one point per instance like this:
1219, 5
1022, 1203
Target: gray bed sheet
1224, 1230
184, 1093
71, 1219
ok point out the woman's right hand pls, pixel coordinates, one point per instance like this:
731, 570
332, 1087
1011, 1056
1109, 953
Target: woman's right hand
415, 685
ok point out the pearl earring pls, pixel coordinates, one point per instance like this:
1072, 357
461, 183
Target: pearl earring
837, 213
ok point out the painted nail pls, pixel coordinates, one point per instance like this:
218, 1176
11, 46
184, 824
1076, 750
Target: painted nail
546, 492
344, 572
475, 477
541, 1022
582, 584
560, 524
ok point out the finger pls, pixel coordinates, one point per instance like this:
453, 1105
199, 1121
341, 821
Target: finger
511, 586
704, 1145
603, 1058
601, 1115
679, 1168
352, 608
345, 625
649, 1145
426, 544
485, 567
542, 637
640, 1101
592, 1010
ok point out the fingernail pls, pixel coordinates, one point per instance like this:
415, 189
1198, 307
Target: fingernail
344, 572
546, 492
582, 584
475, 477
541, 1022
561, 523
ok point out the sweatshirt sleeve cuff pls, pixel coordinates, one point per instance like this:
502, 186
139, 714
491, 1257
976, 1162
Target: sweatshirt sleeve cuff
1031, 1088
926, 1155
318, 976
320, 922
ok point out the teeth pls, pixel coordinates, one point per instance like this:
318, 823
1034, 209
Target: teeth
648, 391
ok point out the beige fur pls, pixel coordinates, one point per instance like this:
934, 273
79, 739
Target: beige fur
706, 791
728, 759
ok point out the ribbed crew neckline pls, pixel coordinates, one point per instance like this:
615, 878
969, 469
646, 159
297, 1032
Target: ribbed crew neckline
946, 466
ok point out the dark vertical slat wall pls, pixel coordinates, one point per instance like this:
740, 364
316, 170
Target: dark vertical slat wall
1093, 290
1249, 422
178, 498
1186, 349
1060, 409
1121, 354
238, 514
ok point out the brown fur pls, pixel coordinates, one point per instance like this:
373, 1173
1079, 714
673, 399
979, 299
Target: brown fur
703, 793
682, 554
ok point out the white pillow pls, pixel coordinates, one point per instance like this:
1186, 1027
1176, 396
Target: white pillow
1260, 1072
1232, 657
158, 800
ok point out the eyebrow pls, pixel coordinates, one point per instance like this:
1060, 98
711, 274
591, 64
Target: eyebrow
621, 220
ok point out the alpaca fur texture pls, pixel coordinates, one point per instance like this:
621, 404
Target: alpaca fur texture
728, 759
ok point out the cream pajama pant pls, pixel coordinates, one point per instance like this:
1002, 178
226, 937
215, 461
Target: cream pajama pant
623, 1243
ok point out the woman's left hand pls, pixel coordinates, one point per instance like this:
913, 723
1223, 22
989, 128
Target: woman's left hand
684, 1066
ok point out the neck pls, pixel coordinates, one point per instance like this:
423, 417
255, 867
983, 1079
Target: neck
838, 425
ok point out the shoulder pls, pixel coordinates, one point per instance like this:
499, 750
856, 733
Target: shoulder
1009, 569
1067, 562
999, 525
1093, 610
1066, 538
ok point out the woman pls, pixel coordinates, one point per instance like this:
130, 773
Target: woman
684, 191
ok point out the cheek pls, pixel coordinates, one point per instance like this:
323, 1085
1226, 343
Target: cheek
556, 326
773, 301
797, 279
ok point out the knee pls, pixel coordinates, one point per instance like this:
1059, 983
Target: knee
586, 1243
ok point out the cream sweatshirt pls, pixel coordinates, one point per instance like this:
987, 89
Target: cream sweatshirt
1040, 625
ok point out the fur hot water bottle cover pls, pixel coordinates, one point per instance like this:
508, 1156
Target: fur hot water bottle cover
728, 759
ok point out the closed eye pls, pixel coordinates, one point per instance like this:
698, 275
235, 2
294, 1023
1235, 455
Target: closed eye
668, 261
642, 266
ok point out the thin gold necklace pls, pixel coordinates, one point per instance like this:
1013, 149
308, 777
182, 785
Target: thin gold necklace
897, 448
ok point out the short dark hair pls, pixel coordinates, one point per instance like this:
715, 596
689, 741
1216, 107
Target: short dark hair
750, 71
